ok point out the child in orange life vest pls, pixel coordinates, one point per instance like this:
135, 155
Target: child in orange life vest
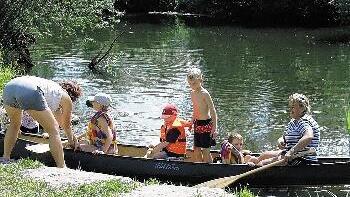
101, 134
172, 135
232, 151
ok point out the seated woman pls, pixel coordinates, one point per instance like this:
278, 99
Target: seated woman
101, 134
232, 151
302, 133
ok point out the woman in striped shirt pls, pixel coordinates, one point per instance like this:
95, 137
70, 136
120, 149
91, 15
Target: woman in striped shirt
302, 133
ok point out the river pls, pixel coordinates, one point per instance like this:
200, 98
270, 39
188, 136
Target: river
249, 72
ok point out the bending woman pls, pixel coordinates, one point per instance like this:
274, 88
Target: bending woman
47, 102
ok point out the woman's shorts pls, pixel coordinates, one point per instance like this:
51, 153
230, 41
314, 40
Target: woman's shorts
24, 95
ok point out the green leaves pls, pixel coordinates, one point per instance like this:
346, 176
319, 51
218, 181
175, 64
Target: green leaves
347, 116
6, 75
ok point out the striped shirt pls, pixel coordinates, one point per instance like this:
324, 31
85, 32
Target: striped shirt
296, 129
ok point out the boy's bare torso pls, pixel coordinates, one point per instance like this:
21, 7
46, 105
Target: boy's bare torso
200, 106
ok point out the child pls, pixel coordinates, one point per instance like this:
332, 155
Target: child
232, 151
204, 117
101, 134
172, 135
29, 125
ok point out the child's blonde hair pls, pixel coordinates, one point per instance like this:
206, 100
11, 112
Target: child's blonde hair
233, 136
195, 73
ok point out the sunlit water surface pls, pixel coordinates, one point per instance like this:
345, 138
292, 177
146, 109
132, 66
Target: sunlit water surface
249, 72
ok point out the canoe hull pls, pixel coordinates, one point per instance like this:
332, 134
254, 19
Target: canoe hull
329, 171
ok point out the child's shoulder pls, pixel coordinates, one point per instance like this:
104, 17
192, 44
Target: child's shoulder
201, 91
104, 116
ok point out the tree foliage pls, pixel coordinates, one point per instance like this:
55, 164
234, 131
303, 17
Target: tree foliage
310, 13
23, 20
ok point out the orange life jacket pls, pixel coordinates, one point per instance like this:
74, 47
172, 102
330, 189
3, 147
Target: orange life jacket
179, 147
94, 133
185, 123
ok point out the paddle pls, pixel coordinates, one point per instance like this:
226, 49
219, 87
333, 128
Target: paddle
226, 181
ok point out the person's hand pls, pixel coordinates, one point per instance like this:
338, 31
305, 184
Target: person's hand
73, 143
289, 155
65, 144
45, 135
214, 134
281, 144
190, 125
98, 152
149, 152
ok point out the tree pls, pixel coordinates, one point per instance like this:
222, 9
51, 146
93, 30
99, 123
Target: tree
21, 21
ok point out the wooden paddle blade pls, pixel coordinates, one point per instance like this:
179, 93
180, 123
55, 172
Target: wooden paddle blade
226, 181
218, 183
38, 148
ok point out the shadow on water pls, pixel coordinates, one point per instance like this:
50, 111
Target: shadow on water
343, 38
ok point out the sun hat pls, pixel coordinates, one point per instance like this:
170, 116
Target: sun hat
169, 109
101, 98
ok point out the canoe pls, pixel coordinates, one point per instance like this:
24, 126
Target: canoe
130, 162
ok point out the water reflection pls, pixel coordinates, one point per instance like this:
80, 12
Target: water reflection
249, 72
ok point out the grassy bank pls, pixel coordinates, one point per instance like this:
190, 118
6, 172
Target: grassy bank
13, 183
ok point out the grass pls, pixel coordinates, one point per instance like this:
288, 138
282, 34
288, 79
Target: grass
245, 192
347, 116
14, 184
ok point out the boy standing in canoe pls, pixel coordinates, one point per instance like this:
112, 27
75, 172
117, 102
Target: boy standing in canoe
204, 117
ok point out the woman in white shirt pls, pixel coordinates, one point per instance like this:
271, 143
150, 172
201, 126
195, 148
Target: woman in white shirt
47, 102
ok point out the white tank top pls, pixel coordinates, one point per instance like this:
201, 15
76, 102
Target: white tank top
53, 92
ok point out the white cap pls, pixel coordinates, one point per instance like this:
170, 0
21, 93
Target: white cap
101, 98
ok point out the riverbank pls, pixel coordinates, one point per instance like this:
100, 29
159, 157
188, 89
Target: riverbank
31, 178
285, 13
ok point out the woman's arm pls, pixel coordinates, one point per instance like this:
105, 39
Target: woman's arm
64, 118
303, 142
